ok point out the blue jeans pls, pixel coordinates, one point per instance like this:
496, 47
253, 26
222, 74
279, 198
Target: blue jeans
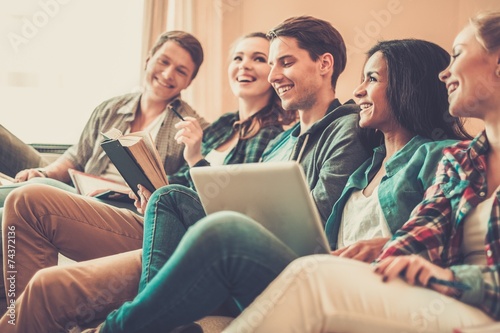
224, 255
171, 210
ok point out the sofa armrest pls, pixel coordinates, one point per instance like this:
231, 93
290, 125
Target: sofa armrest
50, 152
47, 148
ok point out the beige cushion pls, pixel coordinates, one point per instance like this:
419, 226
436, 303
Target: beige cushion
214, 324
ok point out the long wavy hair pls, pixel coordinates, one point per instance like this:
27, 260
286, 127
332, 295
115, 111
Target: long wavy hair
417, 98
270, 115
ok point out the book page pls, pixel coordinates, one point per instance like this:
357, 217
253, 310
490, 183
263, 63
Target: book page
6, 180
112, 134
86, 183
142, 147
139, 149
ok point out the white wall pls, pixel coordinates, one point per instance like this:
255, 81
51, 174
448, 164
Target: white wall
60, 58
81, 52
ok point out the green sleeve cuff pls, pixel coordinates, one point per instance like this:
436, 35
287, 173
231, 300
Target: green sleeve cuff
472, 276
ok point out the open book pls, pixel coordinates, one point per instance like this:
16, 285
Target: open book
107, 189
136, 158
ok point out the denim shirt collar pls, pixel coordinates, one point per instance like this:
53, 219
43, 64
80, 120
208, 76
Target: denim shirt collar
395, 163
403, 156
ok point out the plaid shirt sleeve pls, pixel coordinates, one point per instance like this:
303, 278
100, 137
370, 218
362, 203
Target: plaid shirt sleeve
255, 146
434, 229
246, 151
484, 280
213, 134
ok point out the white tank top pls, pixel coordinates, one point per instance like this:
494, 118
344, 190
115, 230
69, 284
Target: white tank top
362, 219
475, 229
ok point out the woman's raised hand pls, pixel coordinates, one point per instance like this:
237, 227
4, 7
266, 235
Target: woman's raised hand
190, 133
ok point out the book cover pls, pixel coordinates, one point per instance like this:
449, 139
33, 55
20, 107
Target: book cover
136, 158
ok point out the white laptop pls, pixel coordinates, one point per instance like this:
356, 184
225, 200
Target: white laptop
275, 194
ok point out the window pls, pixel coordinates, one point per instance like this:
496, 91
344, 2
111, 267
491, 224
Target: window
59, 59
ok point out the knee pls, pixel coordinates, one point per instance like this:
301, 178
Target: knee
173, 191
24, 195
225, 226
224, 218
23, 199
15, 197
44, 284
308, 264
179, 200
18, 201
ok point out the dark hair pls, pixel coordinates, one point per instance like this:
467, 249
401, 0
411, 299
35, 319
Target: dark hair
315, 36
185, 40
417, 98
271, 114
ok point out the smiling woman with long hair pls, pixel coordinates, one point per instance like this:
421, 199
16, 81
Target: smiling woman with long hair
241, 136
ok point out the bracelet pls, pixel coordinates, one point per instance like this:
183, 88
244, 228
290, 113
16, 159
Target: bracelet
43, 172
